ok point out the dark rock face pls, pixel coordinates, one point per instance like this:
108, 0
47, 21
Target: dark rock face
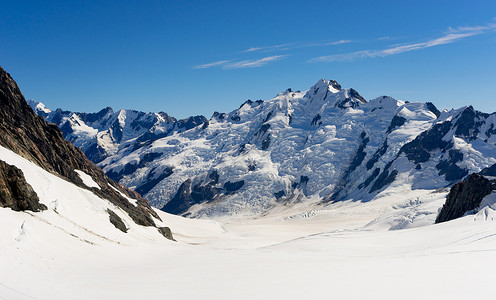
231, 187
430, 106
266, 143
182, 200
396, 122
166, 232
191, 122
30, 136
316, 120
279, 194
335, 84
15, 192
377, 155
384, 179
465, 197
369, 180
489, 171
448, 167
418, 149
189, 194
356, 95
116, 221
152, 180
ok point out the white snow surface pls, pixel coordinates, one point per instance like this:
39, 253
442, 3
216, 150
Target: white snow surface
381, 249
87, 180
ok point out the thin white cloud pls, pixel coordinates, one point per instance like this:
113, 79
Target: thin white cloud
253, 63
479, 29
453, 35
212, 64
340, 42
290, 46
267, 48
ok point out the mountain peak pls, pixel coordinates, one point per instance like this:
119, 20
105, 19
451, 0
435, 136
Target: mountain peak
331, 85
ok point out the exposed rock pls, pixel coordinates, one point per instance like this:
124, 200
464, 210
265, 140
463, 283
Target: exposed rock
316, 119
464, 197
449, 168
153, 179
430, 106
335, 84
116, 221
266, 143
166, 232
377, 155
396, 122
369, 180
418, 149
280, 194
384, 179
233, 186
15, 192
356, 95
191, 122
182, 201
33, 138
489, 171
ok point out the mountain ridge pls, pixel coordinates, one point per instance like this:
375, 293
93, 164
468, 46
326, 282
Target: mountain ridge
327, 143
33, 139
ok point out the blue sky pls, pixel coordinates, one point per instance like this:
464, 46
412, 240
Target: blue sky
197, 57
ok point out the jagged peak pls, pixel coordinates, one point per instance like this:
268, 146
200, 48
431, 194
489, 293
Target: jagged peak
38, 106
355, 95
328, 85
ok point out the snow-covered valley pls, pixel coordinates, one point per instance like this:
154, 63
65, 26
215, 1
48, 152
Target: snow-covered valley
344, 252
347, 250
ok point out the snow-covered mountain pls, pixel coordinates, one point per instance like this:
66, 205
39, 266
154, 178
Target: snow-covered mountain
319, 146
104, 133
70, 232
48, 180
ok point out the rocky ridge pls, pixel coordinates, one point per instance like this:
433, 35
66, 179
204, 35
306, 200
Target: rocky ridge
31, 137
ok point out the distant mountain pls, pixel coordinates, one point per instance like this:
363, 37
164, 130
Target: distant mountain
39, 171
104, 133
322, 145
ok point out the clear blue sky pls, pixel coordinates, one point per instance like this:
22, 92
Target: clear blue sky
197, 57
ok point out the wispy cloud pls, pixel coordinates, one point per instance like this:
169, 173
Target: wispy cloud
478, 29
453, 35
212, 64
291, 46
253, 63
267, 48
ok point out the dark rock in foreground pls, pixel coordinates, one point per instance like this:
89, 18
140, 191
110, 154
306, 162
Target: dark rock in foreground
464, 197
31, 137
15, 192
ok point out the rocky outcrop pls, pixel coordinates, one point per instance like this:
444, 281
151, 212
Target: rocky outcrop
116, 221
464, 197
30, 136
166, 232
15, 192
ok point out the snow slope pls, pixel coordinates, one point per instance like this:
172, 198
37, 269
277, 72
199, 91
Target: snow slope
381, 249
343, 252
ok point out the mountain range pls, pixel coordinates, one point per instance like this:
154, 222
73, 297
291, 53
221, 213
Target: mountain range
319, 182
319, 146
